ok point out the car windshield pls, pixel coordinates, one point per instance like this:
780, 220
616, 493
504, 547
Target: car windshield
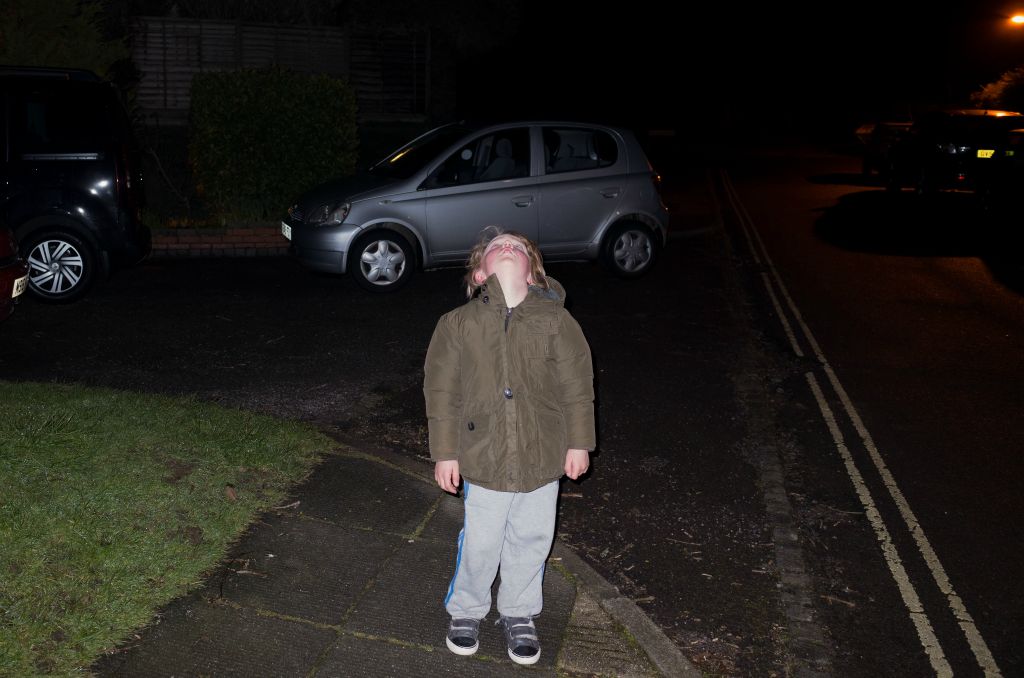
410, 159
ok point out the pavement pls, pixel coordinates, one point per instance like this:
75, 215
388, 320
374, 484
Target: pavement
347, 578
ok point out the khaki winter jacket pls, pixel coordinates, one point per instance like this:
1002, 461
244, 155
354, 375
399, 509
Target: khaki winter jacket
508, 391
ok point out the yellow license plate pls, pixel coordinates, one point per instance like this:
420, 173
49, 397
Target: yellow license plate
986, 152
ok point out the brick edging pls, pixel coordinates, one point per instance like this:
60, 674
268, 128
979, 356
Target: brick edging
252, 240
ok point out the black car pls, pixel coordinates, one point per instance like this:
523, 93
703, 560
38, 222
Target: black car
951, 149
72, 185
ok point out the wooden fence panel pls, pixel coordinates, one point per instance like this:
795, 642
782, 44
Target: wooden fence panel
388, 71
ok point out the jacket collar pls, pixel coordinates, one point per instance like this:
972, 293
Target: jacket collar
492, 295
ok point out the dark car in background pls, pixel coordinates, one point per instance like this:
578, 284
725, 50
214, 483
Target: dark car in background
959, 149
876, 140
72, 184
581, 191
13, 273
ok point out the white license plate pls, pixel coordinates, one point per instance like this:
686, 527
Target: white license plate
19, 286
286, 230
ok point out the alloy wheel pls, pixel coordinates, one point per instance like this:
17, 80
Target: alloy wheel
56, 267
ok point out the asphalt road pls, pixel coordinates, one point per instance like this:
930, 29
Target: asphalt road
916, 304
718, 499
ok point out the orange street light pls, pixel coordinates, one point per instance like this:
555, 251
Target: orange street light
1017, 19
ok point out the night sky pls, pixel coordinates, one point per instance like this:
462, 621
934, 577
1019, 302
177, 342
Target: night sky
778, 62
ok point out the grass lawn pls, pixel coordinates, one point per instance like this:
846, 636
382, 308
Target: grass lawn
113, 503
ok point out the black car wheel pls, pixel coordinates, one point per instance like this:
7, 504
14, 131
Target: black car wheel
630, 249
381, 261
62, 265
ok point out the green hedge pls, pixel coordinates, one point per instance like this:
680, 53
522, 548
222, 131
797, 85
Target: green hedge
259, 138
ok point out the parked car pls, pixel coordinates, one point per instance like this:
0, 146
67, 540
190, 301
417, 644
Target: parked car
951, 149
72, 185
580, 191
876, 140
13, 273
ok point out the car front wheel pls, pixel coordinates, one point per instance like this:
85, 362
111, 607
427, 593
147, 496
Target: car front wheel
62, 265
381, 261
630, 249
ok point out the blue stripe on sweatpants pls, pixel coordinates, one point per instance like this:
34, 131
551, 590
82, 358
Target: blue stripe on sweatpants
462, 537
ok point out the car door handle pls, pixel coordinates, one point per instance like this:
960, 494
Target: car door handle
610, 192
522, 201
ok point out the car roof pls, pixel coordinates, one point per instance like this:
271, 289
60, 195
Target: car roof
78, 74
478, 124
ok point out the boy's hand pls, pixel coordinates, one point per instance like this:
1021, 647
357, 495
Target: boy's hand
446, 473
576, 463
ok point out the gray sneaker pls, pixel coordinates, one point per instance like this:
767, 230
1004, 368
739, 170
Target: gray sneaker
463, 636
521, 639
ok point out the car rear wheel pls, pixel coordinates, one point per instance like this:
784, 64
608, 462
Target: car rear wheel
62, 265
381, 261
630, 249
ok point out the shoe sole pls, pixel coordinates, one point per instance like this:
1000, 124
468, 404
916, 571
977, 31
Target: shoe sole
525, 661
459, 650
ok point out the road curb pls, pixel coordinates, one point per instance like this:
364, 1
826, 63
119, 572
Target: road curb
662, 652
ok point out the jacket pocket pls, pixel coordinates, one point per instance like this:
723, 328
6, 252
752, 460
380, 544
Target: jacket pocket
551, 443
476, 454
540, 332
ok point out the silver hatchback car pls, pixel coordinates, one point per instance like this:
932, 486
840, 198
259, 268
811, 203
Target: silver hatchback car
581, 191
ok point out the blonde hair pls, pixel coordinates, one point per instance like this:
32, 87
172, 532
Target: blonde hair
476, 257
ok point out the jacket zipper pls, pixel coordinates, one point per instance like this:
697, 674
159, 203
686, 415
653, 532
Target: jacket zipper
508, 316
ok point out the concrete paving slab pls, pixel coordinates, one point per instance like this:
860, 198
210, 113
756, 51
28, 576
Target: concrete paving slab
195, 638
373, 657
302, 568
446, 522
419, 575
363, 493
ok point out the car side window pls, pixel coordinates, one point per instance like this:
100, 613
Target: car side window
45, 121
492, 157
568, 149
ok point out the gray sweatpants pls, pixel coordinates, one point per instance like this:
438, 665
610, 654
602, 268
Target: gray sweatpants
510, 529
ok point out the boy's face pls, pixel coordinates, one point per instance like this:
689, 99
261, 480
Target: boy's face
505, 255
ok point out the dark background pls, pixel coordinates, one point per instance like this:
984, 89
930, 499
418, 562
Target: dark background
818, 67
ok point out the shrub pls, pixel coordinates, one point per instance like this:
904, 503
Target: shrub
58, 33
259, 138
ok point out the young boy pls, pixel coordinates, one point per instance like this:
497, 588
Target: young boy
510, 404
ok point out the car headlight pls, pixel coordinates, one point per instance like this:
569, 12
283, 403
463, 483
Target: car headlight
328, 214
953, 149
